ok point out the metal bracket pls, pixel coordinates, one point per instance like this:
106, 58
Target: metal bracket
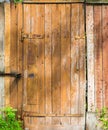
16, 75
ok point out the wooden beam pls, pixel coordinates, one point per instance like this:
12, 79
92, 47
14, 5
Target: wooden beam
52, 1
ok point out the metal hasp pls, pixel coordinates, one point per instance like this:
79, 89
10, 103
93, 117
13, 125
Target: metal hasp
30, 36
16, 75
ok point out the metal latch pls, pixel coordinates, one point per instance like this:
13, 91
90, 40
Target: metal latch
30, 36
16, 75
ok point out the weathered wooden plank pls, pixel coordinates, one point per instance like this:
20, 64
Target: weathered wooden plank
98, 56
2, 54
31, 61
105, 54
56, 62
20, 58
53, 127
91, 122
26, 29
41, 60
74, 62
90, 58
82, 66
65, 62
13, 56
7, 53
48, 35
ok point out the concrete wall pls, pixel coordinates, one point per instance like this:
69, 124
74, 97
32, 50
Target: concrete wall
1, 54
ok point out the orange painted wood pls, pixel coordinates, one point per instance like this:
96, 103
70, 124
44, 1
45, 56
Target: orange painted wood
105, 54
98, 56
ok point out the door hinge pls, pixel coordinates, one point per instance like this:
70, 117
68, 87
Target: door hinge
16, 75
30, 35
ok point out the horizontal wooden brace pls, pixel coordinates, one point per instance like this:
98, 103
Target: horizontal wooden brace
53, 1
33, 114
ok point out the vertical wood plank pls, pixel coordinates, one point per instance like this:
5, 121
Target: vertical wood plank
31, 61
65, 62
82, 65
20, 58
13, 57
56, 62
7, 53
105, 55
26, 29
48, 65
2, 20
74, 62
90, 58
98, 56
40, 30
41, 56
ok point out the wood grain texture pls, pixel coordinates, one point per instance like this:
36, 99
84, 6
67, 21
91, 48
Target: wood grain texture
55, 57
48, 62
7, 52
82, 65
2, 25
53, 1
52, 64
90, 57
20, 58
26, 83
91, 122
56, 63
65, 62
105, 55
98, 56
74, 61
13, 57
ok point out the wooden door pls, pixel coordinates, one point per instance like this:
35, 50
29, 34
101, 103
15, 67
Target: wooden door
54, 66
50, 54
